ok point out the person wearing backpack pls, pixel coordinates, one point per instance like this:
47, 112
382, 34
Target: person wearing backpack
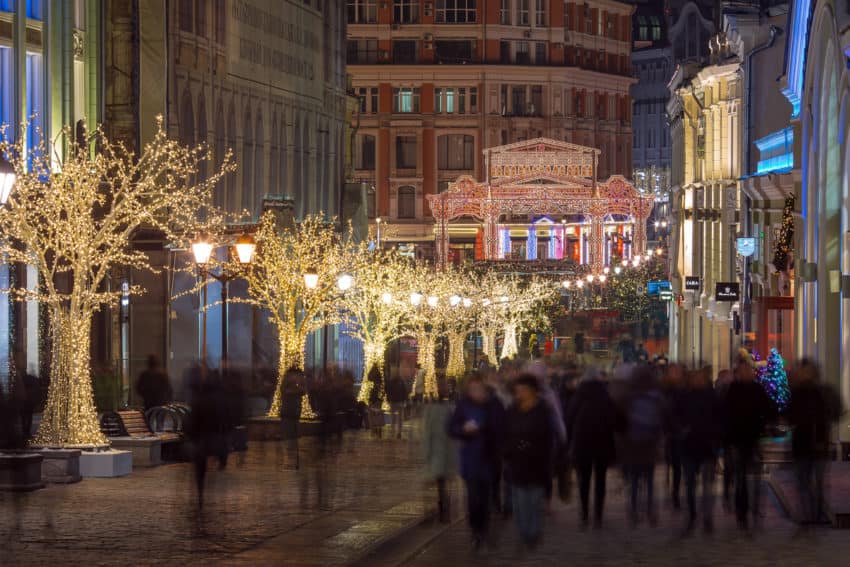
645, 421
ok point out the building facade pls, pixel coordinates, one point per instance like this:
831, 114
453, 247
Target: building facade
50, 77
263, 79
440, 81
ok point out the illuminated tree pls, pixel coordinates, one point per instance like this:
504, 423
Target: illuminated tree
376, 306
277, 283
521, 305
73, 217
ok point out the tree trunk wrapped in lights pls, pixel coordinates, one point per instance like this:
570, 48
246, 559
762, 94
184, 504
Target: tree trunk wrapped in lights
509, 347
72, 216
276, 283
428, 360
488, 344
456, 366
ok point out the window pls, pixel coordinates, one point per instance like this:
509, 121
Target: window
656, 28
362, 51
405, 152
536, 101
522, 56
404, 51
600, 19
455, 11
456, 100
518, 101
454, 51
456, 152
540, 53
34, 9
362, 12
365, 158
522, 12
442, 186
35, 102
505, 13
539, 13
185, 13
588, 21
220, 21
7, 83
7, 5
406, 11
405, 99
201, 19
504, 51
368, 99
406, 202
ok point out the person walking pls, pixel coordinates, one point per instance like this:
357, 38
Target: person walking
748, 409
812, 410
153, 385
376, 402
439, 451
645, 422
475, 426
673, 388
292, 392
701, 422
529, 439
578, 343
396, 396
591, 421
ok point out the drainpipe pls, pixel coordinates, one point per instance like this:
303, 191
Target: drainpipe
746, 220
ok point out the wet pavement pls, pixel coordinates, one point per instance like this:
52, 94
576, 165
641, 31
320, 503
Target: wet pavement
258, 511
777, 542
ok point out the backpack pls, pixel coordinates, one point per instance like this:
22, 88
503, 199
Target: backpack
645, 422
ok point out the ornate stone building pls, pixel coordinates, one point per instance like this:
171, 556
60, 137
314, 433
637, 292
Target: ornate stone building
441, 80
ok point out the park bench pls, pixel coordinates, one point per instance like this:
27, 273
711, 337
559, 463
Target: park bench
131, 430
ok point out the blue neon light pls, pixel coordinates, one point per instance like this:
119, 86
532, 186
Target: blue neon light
776, 151
796, 60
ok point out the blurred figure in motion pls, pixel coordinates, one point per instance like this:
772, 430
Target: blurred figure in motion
724, 380
232, 406
203, 427
396, 396
529, 442
292, 392
748, 410
701, 424
673, 388
813, 409
474, 424
439, 450
376, 402
591, 419
645, 425
153, 385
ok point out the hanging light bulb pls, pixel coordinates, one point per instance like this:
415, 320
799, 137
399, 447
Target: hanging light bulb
617, 270
602, 278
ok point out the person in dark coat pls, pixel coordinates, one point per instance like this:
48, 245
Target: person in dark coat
474, 424
700, 419
291, 397
529, 439
396, 396
673, 388
748, 409
376, 401
204, 424
153, 385
591, 420
813, 409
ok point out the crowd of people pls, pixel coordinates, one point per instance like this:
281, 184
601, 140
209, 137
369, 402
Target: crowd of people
526, 430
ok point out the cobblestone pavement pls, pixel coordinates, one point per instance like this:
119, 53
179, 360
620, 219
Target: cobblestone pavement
258, 511
777, 542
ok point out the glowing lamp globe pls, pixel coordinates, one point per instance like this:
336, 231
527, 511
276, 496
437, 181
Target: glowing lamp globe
344, 282
579, 284
467, 302
415, 299
454, 300
566, 284
387, 297
311, 279
202, 250
245, 247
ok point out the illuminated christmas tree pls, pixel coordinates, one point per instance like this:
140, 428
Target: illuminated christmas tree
774, 379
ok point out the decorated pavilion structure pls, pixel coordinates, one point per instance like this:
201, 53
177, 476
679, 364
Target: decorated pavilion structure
541, 200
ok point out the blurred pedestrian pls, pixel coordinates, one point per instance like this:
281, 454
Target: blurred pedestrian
376, 402
591, 419
439, 451
645, 423
203, 427
396, 396
153, 385
419, 384
578, 343
474, 424
530, 437
813, 409
700, 420
673, 387
291, 398
748, 409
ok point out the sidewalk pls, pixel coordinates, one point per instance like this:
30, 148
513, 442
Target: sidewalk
837, 492
258, 512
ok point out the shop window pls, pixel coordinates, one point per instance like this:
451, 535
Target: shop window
406, 202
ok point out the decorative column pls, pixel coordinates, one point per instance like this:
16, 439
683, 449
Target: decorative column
531, 243
558, 234
491, 231
596, 238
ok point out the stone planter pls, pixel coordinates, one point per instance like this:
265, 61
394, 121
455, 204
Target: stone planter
147, 451
20, 472
105, 464
60, 466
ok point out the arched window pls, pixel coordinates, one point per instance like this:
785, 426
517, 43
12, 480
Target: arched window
297, 164
246, 167
273, 157
307, 190
229, 199
220, 149
406, 202
258, 190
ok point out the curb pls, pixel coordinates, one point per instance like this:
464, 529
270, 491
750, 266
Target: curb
382, 544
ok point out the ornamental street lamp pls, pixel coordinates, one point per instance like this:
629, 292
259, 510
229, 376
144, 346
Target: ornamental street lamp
344, 282
311, 279
415, 299
202, 251
7, 180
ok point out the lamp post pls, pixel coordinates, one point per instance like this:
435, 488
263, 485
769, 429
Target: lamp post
378, 230
202, 251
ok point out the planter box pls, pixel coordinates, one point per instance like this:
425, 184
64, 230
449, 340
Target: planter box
20, 472
270, 429
106, 464
60, 466
146, 451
